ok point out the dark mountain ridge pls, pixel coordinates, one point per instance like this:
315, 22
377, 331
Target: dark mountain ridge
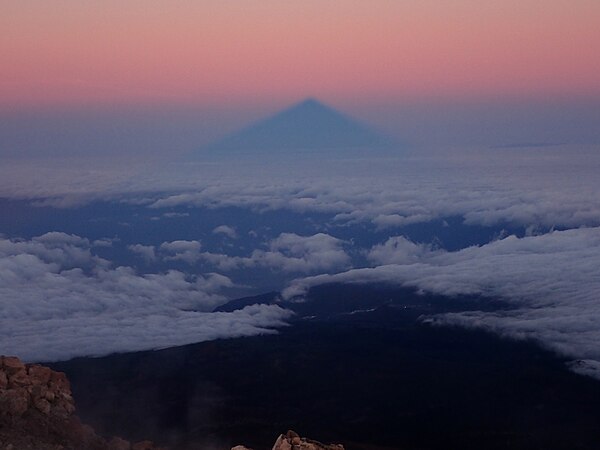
371, 378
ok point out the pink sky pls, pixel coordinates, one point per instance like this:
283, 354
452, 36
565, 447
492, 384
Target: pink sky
73, 52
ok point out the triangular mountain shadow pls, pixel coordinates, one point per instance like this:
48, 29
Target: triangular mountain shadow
307, 127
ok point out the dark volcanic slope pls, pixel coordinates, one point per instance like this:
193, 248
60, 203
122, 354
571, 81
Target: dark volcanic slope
378, 378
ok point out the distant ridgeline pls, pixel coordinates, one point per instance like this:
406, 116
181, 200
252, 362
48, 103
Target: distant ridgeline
309, 127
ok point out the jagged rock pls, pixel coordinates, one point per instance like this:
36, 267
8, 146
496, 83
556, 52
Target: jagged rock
39, 374
282, 443
42, 405
14, 371
292, 441
13, 403
11, 364
50, 396
59, 382
36, 412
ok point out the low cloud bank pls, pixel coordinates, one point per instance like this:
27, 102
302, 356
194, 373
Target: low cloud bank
288, 252
547, 188
552, 280
61, 301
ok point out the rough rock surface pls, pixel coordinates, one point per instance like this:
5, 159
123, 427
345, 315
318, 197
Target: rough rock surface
36, 412
292, 441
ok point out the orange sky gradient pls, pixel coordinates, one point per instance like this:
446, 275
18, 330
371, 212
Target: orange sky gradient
221, 52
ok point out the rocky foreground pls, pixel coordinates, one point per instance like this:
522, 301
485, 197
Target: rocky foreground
37, 413
292, 441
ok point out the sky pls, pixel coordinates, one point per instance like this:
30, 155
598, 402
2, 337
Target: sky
165, 77
68, 52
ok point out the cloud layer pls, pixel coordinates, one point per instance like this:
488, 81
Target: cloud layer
289, 252
551, 279
552, 187
54, 290
60, 301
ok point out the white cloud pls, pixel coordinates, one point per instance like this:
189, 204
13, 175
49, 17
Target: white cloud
57, 238
181, 250
289, 252
171, 215
554, 187
397, 250
387, 204
54, 247
384, 221
146, 252
105, 242
53, 308
226, 262
187, 251
226, 230
293, 253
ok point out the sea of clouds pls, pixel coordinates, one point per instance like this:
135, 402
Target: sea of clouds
59, 300
552, 280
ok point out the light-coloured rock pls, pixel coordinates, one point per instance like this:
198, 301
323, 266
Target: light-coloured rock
36, 412
117, 443
59, 381
39, 374
11, 364
36, 387
292, 441
282, 443
50, 396
18, 379
38, 400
